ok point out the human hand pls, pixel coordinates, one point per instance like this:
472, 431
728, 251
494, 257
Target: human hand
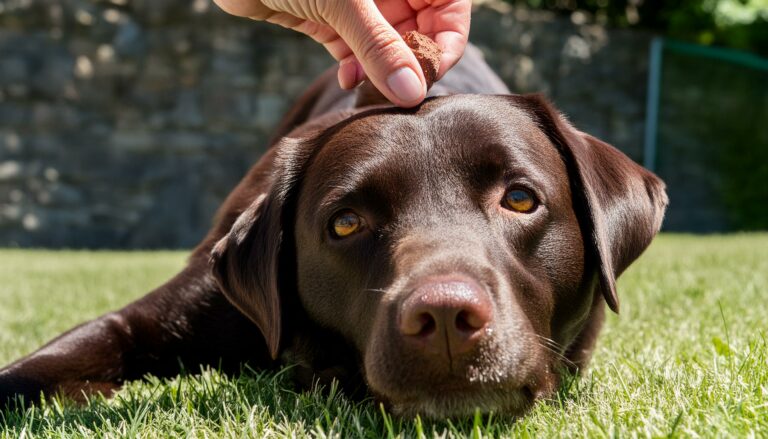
364, 36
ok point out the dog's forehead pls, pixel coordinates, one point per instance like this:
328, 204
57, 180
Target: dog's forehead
443, 133
441, 123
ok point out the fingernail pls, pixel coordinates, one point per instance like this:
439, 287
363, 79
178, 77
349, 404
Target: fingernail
348, 74
405, 84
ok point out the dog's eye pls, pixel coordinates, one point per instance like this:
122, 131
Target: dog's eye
346, 223
519, 200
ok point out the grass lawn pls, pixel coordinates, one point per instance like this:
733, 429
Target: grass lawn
687, 356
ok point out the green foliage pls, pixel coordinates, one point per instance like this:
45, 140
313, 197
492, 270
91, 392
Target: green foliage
713, 145
740, 24
687, 357
744, 168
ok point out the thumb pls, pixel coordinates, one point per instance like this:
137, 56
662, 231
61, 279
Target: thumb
384, 56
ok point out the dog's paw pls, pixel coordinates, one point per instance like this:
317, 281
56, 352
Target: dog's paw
17, 391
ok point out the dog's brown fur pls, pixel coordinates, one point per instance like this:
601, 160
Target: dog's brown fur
269, 285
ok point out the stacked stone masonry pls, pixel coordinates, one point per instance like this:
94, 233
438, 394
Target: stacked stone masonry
124, 124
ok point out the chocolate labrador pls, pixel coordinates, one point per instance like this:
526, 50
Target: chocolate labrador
453, 256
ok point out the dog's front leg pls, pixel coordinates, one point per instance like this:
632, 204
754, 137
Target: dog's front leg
185, 323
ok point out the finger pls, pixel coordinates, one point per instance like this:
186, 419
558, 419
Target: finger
405, 25
449, 22
321, 33
338, 48
245, 8
350, 73
452, 45
387, 61
396, 11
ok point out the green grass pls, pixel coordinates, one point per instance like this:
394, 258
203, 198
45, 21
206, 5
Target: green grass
687, 356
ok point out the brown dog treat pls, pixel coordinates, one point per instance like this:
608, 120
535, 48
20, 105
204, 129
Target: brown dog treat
427, 53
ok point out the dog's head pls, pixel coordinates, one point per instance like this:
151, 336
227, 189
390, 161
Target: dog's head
459, 248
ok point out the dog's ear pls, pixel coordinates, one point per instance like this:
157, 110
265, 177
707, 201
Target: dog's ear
620, 204
250, 261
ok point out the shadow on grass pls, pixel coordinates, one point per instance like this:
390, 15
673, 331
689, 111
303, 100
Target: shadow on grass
257, 403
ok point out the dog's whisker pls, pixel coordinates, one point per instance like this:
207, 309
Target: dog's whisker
560, 356
551, 342
555, 348
375, 290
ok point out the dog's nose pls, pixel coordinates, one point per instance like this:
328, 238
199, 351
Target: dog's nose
447, 314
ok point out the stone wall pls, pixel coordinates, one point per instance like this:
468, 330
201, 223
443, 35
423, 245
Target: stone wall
124, 124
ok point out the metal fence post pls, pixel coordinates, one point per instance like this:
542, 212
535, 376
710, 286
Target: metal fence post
652, 104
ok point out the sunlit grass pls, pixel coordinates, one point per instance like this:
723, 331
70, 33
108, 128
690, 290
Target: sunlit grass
687, 356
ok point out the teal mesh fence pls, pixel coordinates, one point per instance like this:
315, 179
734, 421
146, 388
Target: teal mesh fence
711, 140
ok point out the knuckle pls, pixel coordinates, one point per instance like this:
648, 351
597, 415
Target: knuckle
314, 10
324, 10
379, 45
262, 15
